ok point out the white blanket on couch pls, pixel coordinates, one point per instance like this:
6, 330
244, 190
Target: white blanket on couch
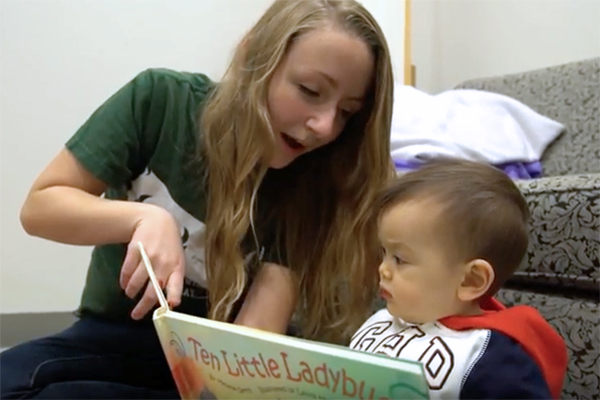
469, 124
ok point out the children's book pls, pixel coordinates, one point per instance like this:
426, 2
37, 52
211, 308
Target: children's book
216, 360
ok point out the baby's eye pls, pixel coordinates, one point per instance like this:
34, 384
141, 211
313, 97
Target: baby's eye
398, 260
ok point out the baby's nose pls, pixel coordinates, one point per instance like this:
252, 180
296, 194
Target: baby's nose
384, 272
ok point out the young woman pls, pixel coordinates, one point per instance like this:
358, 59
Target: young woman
251, 196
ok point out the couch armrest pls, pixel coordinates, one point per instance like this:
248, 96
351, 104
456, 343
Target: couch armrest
564, 237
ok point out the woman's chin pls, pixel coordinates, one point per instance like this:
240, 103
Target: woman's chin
280, 162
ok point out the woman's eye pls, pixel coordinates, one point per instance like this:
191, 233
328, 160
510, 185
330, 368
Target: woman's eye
346, 114
308, 91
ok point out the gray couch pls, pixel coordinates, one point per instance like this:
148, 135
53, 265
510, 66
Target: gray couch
560, 273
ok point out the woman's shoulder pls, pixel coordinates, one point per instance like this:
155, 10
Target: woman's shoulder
169, 79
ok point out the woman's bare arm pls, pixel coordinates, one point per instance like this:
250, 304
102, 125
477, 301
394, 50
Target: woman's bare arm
64, 205
271, 299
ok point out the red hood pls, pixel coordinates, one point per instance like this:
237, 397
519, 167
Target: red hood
526, 326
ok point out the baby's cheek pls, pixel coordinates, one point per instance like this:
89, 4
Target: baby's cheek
406, 285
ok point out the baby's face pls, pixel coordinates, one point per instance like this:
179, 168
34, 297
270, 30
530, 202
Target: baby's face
417, 278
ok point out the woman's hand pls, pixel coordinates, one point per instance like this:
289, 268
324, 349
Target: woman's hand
158, 232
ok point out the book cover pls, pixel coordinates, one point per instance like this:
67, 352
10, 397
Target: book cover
216, 360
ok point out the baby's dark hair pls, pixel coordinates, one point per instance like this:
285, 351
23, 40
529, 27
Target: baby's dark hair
483, 214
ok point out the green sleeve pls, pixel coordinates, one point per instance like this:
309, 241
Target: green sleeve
116, 142
273, 250
269, 228
271, 236
270, 241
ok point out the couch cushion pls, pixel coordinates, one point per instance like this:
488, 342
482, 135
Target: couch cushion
564, 233
577, 321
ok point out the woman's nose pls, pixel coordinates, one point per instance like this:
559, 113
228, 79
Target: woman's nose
324, 124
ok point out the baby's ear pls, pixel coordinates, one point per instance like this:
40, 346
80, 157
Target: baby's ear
477, 279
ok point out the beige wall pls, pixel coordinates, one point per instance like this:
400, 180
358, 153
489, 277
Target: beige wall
60, 60
456, 40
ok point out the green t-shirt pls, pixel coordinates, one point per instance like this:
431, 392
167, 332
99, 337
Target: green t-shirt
142, 142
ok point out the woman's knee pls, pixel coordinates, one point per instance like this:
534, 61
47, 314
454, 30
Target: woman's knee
32, 365
15, 378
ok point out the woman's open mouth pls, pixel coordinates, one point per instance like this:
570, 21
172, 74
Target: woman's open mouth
292, 143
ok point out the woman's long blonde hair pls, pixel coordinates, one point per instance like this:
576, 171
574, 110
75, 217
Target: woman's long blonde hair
322, 214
